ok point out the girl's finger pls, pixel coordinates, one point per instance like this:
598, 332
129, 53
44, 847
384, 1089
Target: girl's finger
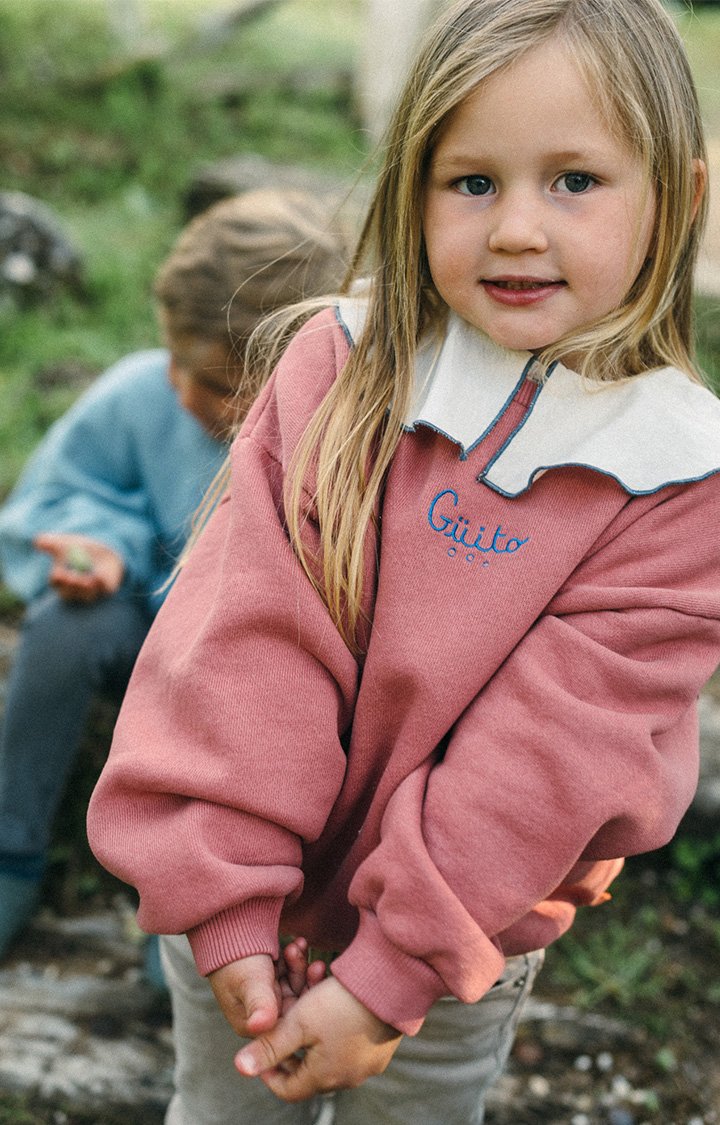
272, 1050
296, 963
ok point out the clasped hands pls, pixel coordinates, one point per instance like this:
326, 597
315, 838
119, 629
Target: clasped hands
310, 1035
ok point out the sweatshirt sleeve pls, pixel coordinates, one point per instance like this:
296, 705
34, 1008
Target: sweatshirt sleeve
84, 478
583, 747
228, 751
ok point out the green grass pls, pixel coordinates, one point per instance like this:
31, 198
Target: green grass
707, 330
644, 958
79, 121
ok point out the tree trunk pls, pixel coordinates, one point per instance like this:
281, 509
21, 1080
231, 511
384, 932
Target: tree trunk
392, 31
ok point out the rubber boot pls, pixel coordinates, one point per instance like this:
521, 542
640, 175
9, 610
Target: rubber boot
152, 966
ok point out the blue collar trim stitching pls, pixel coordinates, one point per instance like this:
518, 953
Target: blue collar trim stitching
343, 325
602, 472
481, 476
465, 452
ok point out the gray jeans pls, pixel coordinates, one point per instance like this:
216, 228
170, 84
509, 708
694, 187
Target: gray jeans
438, 1077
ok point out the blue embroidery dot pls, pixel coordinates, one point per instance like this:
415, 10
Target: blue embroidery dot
452, 551
470, 557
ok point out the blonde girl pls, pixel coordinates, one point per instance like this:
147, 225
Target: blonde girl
431, 669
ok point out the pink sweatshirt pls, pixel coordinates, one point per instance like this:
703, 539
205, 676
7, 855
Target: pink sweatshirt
525, 714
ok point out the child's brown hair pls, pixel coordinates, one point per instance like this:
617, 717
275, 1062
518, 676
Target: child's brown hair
245, 257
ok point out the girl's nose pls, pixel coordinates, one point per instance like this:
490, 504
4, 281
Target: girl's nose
518, 226
183, 385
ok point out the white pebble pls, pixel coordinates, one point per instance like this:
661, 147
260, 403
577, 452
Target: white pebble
621, 1088
538, 1086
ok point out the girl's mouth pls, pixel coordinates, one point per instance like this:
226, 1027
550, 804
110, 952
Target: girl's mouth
520, 290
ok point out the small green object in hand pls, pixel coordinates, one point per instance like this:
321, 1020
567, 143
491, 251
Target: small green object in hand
79, 560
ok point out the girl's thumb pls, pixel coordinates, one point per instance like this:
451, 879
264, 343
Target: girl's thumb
261, 1008
270, 1050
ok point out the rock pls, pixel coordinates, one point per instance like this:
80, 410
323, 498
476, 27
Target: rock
37, 258
707, 801
391, 37
79, 1025
222, 178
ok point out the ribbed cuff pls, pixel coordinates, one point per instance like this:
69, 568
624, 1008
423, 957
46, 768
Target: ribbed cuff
397, 988
240, 931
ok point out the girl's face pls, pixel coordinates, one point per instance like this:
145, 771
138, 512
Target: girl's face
204, 378
537, 218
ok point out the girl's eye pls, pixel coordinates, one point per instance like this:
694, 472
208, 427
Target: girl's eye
575, 183
474, 185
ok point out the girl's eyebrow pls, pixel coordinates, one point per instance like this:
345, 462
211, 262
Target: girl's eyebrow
462, 160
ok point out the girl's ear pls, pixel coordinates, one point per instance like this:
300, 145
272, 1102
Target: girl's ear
701, 177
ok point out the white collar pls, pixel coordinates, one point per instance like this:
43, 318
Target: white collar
648, 432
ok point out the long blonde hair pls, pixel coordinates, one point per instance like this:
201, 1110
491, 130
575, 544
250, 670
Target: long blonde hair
632, 56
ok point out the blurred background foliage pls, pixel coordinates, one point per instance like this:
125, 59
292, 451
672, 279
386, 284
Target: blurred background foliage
109, 133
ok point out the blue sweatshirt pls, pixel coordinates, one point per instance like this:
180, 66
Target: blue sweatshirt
126, 465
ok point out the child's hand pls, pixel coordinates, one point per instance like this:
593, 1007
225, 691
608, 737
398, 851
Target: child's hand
295, 974
328, 1040
83, 569
249, 994
254, 992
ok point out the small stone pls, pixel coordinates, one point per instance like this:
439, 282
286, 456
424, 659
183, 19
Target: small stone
621, 1088
666, 1059
538, 1086
79, 559
19, 269
618, 1116
648, 1099
583, 1063
528, 1052
605, 1061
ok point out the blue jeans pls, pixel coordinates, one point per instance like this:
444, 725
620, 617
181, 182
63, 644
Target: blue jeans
67, 653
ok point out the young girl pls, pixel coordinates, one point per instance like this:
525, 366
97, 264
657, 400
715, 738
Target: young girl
92, 530
431, 669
